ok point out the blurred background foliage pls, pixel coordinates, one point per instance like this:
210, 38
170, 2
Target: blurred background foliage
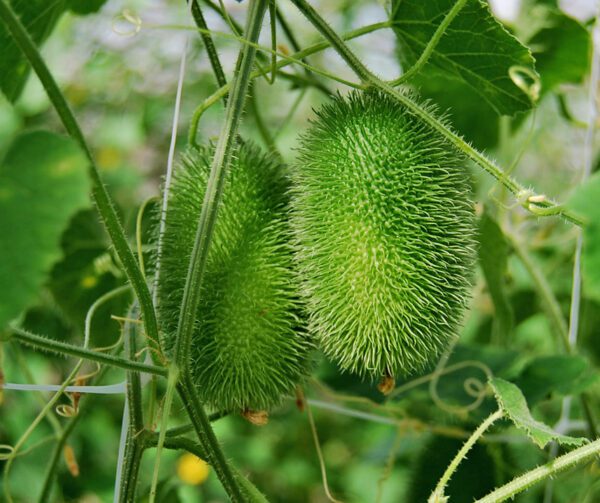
122, 87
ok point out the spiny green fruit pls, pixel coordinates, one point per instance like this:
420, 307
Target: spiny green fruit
385, 234
248, 350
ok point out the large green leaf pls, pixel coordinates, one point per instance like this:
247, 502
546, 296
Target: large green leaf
468, 112
511, 400
85, 6
493, 257
562, 374
39, 18
475, 49
43, 182
562, 49
585, 201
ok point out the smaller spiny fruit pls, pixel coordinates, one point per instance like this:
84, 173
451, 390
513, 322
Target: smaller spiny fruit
384, 228
248, 347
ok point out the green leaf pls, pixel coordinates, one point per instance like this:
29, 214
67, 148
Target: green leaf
475, 48
469, 113
493, 258
562, 50
85, 6
39, 18
43, 182
562, 374
512, 402
585, 202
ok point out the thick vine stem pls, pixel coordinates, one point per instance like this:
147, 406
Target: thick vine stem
204, 230
214, 189
208, 440
62, 348
523, 482
100, 195
134, 448
131, 467
538, 205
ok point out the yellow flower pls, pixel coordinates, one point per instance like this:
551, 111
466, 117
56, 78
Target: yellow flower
89, 281
192, 470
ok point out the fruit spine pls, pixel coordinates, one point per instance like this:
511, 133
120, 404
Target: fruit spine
384, 229
248, 347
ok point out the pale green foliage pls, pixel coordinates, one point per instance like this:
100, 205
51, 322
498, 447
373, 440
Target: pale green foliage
511, 400
385, 233
42, 185
249, 349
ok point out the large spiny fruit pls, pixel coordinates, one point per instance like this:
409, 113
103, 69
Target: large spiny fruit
384, 227
248, 350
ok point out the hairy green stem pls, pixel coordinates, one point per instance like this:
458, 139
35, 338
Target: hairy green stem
538, 205
178, 431
131, 468
207, 439
334, 39
186, 428
134, 445
214, 189
204, 231
523, 482
298, 56
134, 384
437, 496
431, 45
211, 50
176, 443
101, 197
62, 348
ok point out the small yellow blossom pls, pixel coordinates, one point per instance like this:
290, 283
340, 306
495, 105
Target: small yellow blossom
192, 470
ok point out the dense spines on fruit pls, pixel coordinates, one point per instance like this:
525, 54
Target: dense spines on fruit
248, 349
384, 228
